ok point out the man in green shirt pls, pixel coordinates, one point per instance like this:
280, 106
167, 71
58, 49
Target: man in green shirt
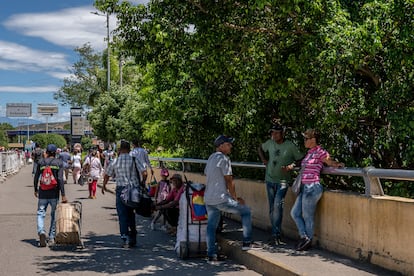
282, 156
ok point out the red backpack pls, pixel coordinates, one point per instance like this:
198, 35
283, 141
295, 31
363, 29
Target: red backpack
47, 179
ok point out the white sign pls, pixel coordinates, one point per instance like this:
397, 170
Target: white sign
77, 126
47, 109
75, 111
18, 110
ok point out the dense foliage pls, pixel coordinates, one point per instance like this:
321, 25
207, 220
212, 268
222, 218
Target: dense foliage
44, 139
3, 134
201, 68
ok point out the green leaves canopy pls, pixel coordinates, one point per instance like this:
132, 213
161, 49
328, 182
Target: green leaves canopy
211, 67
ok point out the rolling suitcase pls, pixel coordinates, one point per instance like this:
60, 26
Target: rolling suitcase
68, 224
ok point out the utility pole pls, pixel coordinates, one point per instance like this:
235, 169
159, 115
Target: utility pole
108, 77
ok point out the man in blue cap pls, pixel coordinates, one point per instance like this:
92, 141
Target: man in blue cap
220, 195
48, 185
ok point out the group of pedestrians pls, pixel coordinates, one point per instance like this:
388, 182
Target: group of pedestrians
60, 163
280, 157
130, 166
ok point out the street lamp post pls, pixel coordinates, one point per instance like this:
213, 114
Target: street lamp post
108, 50
109, 53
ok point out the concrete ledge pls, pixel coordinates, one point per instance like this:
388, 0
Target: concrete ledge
255, 260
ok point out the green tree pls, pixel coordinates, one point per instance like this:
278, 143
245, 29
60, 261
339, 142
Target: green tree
45, 139
87, 80
3, 134
237, 66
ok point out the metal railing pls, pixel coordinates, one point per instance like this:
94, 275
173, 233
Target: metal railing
10, 162
372, 176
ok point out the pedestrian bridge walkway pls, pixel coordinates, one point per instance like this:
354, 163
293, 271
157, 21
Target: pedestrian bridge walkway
284, 259
370, 228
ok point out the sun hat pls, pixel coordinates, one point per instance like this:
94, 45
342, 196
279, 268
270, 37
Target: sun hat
177, 176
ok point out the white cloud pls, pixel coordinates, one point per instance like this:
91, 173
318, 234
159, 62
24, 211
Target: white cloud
68, 28
17, 57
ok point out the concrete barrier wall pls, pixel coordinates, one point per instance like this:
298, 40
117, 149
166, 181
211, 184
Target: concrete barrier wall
379, 230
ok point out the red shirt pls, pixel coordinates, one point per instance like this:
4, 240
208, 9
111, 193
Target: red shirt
175, 195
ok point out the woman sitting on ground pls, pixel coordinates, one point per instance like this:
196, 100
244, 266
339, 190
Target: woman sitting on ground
171, 204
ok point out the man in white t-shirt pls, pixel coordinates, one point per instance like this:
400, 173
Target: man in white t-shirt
142, 155
220, 195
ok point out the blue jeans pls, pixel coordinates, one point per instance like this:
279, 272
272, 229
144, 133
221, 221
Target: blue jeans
233, 207
34, 168
276, 198
41, 214
126, 217
303, 211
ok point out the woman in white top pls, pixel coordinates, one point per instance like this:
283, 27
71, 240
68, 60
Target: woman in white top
76, 165
95, 171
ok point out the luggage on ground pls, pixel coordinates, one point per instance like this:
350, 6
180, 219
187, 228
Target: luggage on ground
68, 224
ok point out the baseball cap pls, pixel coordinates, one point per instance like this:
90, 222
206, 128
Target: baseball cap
51, 148
276, 127
165, 172
223, 139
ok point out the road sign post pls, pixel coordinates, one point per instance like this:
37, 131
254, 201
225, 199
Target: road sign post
47, 110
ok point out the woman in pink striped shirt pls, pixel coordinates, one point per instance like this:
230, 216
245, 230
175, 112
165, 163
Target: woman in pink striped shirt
303, 211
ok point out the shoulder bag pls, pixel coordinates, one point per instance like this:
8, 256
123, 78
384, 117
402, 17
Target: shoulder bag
297, 183
135, 196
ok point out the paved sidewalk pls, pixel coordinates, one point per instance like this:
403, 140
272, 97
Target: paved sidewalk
285, 260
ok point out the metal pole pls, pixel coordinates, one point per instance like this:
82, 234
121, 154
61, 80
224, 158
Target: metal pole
28, 130
108, 77
47, 126
120, 71
109, 53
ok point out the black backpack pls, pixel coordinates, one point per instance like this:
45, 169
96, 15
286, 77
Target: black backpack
37, 155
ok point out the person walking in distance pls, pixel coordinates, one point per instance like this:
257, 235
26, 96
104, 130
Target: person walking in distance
220, 195
142, 155
95, 170
123, 169
76, 161
303, 210
48, 185
282, 157
65, 157
37, 154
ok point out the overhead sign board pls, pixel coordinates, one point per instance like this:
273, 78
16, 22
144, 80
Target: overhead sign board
77, 126
76, 111
18, 110
47, 109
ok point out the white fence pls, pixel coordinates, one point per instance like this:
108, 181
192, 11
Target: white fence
10, 163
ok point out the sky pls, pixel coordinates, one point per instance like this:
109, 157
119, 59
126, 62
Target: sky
37, 42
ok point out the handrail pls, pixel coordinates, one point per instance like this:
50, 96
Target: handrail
372, 176
10, 162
